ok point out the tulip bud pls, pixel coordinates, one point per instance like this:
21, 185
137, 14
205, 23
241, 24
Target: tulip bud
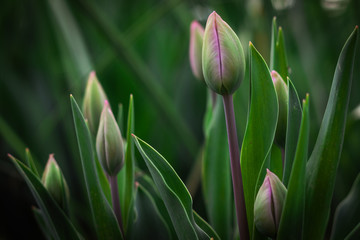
196, 42
109, 143
93, 102
283, 98
222, 56
55, 183
269, 204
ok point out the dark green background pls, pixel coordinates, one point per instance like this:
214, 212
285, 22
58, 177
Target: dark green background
49, 47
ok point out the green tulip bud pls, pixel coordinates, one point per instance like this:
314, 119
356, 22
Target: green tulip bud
195, 50
93, 102
283, 99
54, 182
269, 204
222, 56
109, 143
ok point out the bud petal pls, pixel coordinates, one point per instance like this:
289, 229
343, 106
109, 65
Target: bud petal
55, 183
93, 102
269, 204
283, 99
195, 52
109, 143
222, 56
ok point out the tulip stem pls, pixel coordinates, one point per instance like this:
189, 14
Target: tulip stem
235, 167
116, 202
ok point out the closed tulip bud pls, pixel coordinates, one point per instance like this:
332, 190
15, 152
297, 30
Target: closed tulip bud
195, 51
269, 204
222, 56
55, 183
93, 102
109, 143
283, 98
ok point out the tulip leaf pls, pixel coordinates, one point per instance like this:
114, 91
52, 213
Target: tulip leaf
260, 129
347, 214
205, 227
120, 116
216, 179
322, 166
172, 190
292, 217
129, 167
30, 162
354, 234
148, 187
104, 219
276, 162
278, 59
56, 220
292, 131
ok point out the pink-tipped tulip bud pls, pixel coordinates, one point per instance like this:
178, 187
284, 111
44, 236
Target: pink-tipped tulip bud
222, 56
55, 183
109, 143
283, 99
269, 204
195, 51
93, 102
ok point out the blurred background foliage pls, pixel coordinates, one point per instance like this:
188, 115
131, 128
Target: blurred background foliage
48, 48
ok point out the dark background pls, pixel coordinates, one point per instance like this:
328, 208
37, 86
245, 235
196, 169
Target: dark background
49, 47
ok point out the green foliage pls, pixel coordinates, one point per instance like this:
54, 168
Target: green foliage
263, 112
322, 165
103, 217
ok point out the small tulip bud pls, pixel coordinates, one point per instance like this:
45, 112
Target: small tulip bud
283, 98
109, 143
55, 183
195, 52
93, 102
269, 204
222, 56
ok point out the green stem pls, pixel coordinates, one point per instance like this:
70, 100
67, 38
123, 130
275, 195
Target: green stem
116, 202
235, 167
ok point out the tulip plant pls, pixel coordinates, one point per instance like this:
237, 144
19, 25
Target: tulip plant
260, 184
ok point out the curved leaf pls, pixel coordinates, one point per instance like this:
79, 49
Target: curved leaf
30, 162
292, 130
260, 129
103, 216
322, 166
347, 214
56, 220
292, 217
216, 179
173, 192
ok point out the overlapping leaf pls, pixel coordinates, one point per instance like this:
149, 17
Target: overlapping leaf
322, 166
293, 211
172, 190
103, 216
260, 129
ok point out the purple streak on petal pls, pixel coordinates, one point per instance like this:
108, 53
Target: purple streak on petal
218, 44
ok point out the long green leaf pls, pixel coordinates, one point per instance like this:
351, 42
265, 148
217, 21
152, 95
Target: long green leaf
103, 216
347, 214
260, 129
30, 162
40, 219
216, 179
56, 220
173, 192
293, 211
354, 234
129, 166
322, 166
278, 59
292, 130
